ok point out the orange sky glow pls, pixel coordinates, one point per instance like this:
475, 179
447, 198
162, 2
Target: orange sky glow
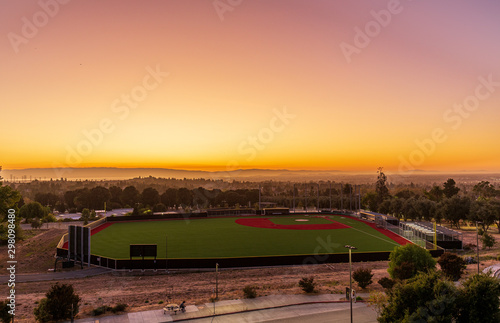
293, 84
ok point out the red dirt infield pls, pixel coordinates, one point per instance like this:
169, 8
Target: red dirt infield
265, 223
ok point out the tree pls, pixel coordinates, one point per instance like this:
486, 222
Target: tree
483, 211
455, 209
83, 199
449, 188
98, 196
130, 196
424, 298
363, 276
484, 189
150, 197
370, 200
381, 186
32, 210
85, 216
410, 255
8, 200
58, 304
488, 240
435, 193
47, 199
159, 207
169, 198
185, 197
116, 195
452, 265
480, 299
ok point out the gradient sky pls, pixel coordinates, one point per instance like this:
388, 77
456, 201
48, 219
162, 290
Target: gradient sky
230, 71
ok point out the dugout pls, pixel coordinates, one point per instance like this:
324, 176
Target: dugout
275, 211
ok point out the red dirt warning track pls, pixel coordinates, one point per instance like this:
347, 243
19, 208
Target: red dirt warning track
265, 223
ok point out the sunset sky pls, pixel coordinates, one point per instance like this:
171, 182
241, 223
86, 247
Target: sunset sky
321, 84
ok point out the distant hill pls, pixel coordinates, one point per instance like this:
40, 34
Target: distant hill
252, 175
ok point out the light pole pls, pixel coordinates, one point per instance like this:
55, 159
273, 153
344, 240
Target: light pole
350, 274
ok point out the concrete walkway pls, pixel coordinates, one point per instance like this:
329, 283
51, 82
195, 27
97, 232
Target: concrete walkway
261, 309
87, 272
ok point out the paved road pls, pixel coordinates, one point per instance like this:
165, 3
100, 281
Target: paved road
310, 313
273, 308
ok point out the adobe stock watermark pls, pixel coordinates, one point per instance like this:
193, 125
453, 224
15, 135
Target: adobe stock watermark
452, 116
363, 37
223, 6
121, 107
253, 144
31, 26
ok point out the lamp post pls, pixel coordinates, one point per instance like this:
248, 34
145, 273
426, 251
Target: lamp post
350, 276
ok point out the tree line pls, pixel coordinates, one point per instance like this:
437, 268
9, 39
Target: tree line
439, 203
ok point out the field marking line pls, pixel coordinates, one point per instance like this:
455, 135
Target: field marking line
390, 241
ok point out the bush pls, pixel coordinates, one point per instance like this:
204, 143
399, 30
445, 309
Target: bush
307, 284
250, 291
423, 298
452, 265
101, 310
58, 304
36, 223
479, 298
386, 282
488, 240
363, 276
406, 261
5, 317
120, 307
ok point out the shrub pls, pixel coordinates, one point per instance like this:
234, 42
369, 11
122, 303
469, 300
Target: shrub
307, 284
386, 282
488, 240
452, 265
60, 301
5, 317
101, 310
363, 276
479, 298
120, 307
250, 291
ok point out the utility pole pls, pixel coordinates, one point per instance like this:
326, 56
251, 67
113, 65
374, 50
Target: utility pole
317, 209
259, 197
350, 276
305, 197
216, 281
341, 197
330, 195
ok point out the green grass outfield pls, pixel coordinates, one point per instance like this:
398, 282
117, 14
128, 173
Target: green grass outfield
222, 237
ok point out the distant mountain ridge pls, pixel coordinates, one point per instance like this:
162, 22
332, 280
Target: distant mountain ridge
251, 175
96, 173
